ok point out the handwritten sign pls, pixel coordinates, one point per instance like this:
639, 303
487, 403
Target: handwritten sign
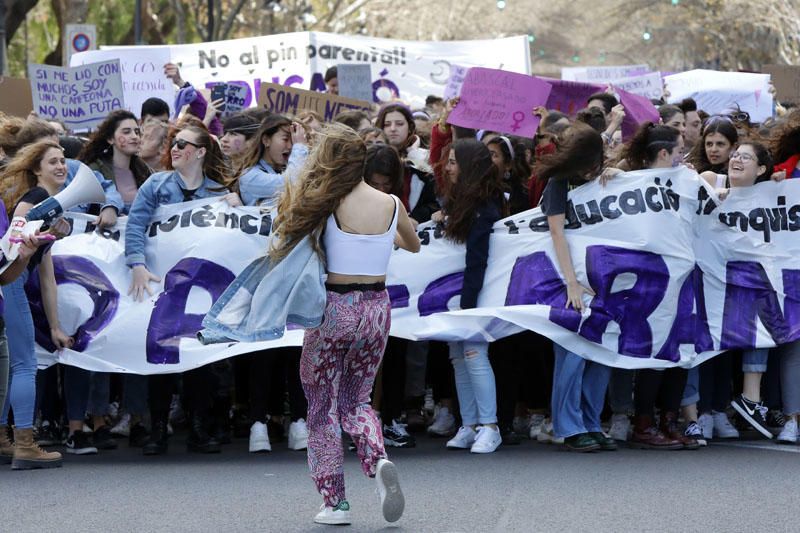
500, 101
355, 81
290, 101
723, 92
569, 97
786, 79
15, 96
142, 73
455, 81
649, 85
80, 97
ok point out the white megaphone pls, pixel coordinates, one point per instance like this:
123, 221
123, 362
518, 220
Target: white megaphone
83, 189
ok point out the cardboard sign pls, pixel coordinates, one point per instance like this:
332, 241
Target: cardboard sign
719, 93
500, 101
15, 97
355, 81
607, 74
786, 79
290, 101
80, 97
649, 85
143, 74
455, 81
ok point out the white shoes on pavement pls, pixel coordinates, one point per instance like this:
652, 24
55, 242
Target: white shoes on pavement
620, 427
392, 500
463, 439
444, 423
335, 516
789, 432
298, 435
487, 441
259, 439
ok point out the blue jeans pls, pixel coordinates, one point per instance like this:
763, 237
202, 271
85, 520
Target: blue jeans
3, 363
475, 385
134, 394
755, 360
790, 377
22, 368
579, 391
86, 392
691, 394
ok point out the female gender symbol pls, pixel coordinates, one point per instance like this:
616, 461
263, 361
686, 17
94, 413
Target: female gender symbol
518, 117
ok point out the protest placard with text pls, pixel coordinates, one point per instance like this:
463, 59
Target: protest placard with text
455, 81
649, 85
719, 93
500, 101
15, 96
604, 74
80, 97
355, 81
290, 101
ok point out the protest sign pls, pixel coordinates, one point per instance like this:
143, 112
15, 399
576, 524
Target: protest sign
142, 73
409, 70
355, 81
455, 81
15, 96
569, 97
289, 101
638, 109
650, 85
500, 101
80, 97
723, 277
602, 75
719, 93
786, 79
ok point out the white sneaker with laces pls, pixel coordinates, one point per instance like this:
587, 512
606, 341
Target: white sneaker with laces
392, 500
487, 441
463, 439
706, 423
537, 423
123, 427
723, 427
444, 423
620, 427
693, 431
298, 435
259, 439
547, 435
788, 434
335, 516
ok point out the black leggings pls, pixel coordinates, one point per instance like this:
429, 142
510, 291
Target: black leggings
715, 383
393, 379
662, 386
271, 374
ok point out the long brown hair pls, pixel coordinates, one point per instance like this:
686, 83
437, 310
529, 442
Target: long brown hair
214, 167
334, 167
478, 183
14, 134
785, 140
255, 153
98, 148
579, 154
18, 176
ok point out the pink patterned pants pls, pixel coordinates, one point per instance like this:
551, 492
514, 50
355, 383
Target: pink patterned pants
338, 366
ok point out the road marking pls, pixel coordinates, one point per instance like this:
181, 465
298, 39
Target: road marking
787, 448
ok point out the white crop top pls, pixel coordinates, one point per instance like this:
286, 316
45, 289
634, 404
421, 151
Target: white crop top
356, 254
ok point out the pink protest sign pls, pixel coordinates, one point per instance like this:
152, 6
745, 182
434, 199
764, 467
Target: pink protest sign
500, 101
638, 109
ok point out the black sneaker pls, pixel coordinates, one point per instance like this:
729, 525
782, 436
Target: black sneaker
80, 443
48, 434
103, 439
775, 419
510, 437
138, 436
396, 436
754, 413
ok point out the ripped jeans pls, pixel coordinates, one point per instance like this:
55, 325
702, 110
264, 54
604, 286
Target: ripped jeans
475, 384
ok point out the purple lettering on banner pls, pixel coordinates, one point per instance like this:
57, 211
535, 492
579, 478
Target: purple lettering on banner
629, 307
439, 292
398, 295
534, 280
749, 294
791, 303
169, 321
80, 271
690, 327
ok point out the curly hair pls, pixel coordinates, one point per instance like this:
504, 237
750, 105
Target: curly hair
334, 167
19, 177
579, 153
98, 148
716, 124
478, 183
784, 140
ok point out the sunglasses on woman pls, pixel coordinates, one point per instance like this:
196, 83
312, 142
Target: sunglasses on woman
181, 143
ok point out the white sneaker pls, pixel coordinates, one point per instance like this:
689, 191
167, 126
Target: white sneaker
537, 422
723, 427
298, 435
123, 427
547, 435
463, 439
444, 423
620, 427
706, 423
336, 516
392, 500
789, 432
487, 441
259, 439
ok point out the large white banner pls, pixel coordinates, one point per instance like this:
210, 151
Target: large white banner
407, 70
677, 276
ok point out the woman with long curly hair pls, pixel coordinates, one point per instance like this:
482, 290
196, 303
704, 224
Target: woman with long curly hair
353, 227
475, 201
37, 172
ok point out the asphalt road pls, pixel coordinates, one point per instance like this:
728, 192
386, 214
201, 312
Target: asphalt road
736, 486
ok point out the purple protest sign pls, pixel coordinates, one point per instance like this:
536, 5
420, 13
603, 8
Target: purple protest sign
500, 101
638, 109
